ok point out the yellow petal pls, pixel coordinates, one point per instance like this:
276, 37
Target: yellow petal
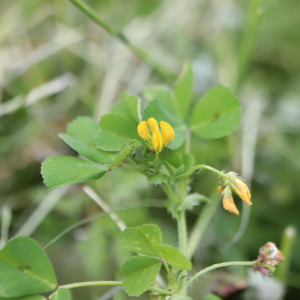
167, 132
143, 131
157, 141
220, 189
153, 125
243, 191
229, 204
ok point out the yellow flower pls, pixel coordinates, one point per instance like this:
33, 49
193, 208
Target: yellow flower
242, 191
228, 202
143, 131
167, 132
220, 189
158, 138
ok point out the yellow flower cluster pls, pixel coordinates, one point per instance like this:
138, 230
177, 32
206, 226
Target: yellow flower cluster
239, 187
155, 137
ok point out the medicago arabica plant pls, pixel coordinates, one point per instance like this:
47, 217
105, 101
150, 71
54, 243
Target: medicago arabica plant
145, 141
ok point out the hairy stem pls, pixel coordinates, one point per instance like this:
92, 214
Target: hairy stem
182, 232
221, 265
165, 73
109, 283
221, 174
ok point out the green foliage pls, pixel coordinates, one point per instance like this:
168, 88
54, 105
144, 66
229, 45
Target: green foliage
190, 201
180, 297
212, 297
85, 150
183, 90
187, 164
25, 269
108, 141
140, 239
217, 114
173, 256
139, 273
158, 179
62, 294
59, 171
30, 297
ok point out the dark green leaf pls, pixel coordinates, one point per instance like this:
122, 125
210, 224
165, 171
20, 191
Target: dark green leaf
108, 141
212, 297
173, 256
62, 294
180, 297
140, 239
190, 201
59, 171
171, 158
217, 114
25, 269
122, 155
83, 129
183, 91
158, 179
139, 273
85, 150
118, 125
188, 161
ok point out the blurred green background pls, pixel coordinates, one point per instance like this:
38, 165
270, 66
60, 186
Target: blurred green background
56, 64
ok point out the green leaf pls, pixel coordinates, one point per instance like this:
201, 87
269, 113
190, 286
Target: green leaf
180, 136
25, 269
108, 141
158, 179
62, 294
162, 94
217, 114
180, 297
83, 129
140, 239
131, 105
85, 150
139, 273
173, 256
212, 297
188, 161
30, 297
122, 155
190, 201
118, 125
171, 158
183, 91
59, 171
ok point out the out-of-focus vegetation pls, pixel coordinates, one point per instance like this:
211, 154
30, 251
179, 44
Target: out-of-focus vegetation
56, 64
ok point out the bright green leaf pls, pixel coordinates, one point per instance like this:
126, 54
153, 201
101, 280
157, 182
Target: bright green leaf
180, 297
108, 141
30, 297
173, 256
162, 94
131, 105
118, 125
180, 136
62, 294
183, 91
140, 239
85, 150
122, 155
212, 297
83, 129
217, 114
25, 269
59, 171
158, 179
139, 273
190, 201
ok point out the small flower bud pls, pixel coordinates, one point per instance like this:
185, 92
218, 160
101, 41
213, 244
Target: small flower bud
228, 202
143, 131
220, 189
167, 132
157, 141
153, 125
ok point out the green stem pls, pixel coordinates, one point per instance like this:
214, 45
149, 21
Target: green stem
155, 65
182, 232
156, 162
109, 283
168, 269
170, 193
133, 169
221, 265
221, 174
